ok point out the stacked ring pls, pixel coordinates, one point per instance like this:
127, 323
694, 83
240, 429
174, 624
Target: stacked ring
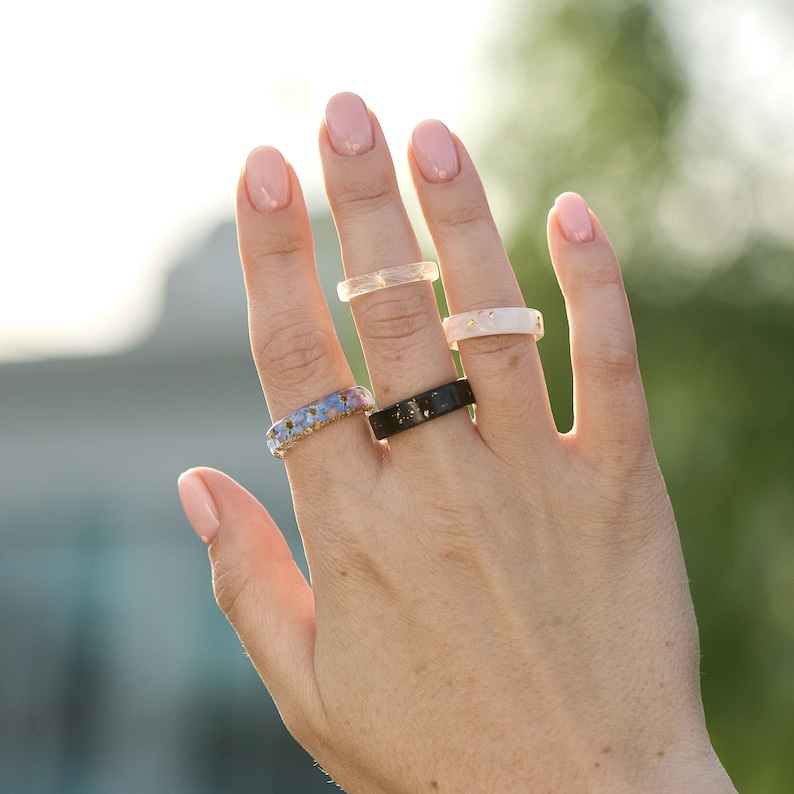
388, 277
292, 428
489, 322
421, 408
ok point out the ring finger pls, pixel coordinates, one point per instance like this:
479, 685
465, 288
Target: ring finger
504, 370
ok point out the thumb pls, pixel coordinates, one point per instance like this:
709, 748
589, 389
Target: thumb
258, 586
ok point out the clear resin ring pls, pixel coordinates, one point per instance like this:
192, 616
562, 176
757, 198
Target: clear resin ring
489, 322
291, 429
388, 277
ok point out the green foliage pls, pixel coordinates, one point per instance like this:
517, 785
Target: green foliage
720, 387
595, 100
590, 93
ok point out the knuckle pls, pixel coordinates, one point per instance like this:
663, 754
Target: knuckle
616, 497
275, 247
296, 353
396, 318
461, 218
357, 196
229, 584
614, 361
608, 353
506, 348
602, 276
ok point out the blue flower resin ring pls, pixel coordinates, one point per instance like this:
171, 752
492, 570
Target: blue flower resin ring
291, 429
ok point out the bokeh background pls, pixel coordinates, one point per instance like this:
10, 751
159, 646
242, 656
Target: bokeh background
123, 332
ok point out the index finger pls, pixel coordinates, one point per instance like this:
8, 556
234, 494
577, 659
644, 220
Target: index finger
293, 340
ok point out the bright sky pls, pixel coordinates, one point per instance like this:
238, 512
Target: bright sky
126, 124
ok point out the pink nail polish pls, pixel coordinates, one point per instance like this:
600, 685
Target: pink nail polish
199, 505
349, 126
435, 151
574, 218
267, 179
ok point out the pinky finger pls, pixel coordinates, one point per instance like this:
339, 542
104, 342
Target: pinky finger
609, 401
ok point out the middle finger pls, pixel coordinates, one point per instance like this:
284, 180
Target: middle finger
399, 327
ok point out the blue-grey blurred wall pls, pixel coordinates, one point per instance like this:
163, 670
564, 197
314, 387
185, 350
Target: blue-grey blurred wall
118, 673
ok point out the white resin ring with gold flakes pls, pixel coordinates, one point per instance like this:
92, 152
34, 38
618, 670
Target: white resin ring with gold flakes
489, 322
388, 277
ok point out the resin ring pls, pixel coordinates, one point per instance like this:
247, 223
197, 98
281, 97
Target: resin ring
389, 277
488, 322
422, 408
291, 429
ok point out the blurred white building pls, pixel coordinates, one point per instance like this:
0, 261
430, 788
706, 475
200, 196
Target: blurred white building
117, 671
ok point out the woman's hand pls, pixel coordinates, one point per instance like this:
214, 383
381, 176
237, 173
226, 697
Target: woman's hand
495, 607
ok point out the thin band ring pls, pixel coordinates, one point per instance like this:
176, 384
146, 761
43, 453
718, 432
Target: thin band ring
489, 322
421, 408
299, 424
388, 277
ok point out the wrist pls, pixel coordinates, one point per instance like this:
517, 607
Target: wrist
704, 775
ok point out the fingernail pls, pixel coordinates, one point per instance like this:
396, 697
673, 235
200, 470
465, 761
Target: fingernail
267, 179
199, 506
348, 124
435, 151
574, 218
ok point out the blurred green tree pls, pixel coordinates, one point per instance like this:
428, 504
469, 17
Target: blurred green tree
595, 97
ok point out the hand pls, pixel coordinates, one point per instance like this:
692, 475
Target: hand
494, 606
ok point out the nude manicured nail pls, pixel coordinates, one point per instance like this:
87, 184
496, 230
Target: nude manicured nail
267, 179
348, 124
574, 218
435, 151
199, 506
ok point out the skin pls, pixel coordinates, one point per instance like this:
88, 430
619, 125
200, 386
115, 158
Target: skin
494, 606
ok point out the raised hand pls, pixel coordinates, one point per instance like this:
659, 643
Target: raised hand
494, 606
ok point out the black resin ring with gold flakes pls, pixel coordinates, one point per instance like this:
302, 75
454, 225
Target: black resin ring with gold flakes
421, 408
